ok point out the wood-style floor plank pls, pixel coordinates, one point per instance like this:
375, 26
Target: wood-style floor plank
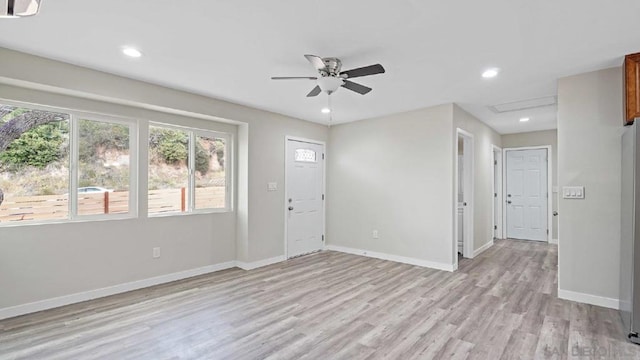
501, 305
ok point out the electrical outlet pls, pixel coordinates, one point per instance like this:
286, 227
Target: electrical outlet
375, 234
156, 252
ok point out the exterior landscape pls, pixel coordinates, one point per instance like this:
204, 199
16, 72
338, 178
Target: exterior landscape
36, 153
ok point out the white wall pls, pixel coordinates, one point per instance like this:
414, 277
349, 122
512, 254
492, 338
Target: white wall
393, 174
484, 137
589, 138
539, 138
86, 256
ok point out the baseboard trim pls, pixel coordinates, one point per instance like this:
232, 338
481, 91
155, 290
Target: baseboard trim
28, 308
483, 248
396, 258
589, 299
260, 263
553, 241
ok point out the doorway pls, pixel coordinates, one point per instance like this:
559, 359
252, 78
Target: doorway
527, 193
463, 202
497, 193
304, 196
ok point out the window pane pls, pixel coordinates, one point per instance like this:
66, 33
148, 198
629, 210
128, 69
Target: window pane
305, 155
210, 173
103, 168
168, 170
34, 165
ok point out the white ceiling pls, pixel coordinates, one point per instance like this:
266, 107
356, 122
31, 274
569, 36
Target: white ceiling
433, 51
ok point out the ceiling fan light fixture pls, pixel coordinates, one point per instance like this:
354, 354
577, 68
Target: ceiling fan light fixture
19, 8
329, 84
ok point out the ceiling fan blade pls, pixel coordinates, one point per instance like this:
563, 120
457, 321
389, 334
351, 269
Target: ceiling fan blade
317, 62
315, 92
360, 89
293, 78
364, 71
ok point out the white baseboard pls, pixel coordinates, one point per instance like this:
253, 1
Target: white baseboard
553, 241
482, 248
110, 290
396, 258
28, 308
260, 263
589, 299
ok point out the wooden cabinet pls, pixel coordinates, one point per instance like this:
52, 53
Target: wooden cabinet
632, 88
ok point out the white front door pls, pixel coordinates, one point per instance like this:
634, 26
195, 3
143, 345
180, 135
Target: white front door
304, 197
527, 194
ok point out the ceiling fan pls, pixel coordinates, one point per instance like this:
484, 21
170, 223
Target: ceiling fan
331, 77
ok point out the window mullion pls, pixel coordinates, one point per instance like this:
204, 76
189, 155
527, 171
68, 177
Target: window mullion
192, 171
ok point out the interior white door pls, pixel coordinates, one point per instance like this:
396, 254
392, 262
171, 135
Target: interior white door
497, 195
527, 194
304, 194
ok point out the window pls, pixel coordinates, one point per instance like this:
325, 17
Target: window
210, 176
103, 168
34, 164
305, 155
57, 165
187, 170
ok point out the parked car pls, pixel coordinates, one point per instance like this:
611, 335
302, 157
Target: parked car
93, 190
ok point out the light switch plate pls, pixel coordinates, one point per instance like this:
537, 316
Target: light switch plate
272, 186
573, 192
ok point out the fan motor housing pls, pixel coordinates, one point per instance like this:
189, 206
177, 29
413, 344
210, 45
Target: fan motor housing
333, 65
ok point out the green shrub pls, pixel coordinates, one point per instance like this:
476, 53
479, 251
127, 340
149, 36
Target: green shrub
37, 147
96, 136
202, 159
171, 145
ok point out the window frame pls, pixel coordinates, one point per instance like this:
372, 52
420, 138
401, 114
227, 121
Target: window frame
74, 167
193, 133
74, 139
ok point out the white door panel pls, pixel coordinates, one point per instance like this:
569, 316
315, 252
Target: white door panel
527, 194
305, 184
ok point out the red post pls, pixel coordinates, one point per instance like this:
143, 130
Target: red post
183, 198
106, 202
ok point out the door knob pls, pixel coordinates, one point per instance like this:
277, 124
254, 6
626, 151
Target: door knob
464, 204
508, 195
508, 201
290, 208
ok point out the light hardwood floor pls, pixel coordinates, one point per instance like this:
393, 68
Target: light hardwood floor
500, 305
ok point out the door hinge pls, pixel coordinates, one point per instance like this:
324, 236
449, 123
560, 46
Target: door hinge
495, 227
495, 162
547, 231
495, 195
322, 156
322, 196
322, 237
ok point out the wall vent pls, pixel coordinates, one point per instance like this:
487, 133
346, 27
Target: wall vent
524, 104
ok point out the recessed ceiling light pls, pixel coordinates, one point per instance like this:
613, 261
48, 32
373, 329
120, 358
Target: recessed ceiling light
490, 73
525, 119
131, 52
325, 110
